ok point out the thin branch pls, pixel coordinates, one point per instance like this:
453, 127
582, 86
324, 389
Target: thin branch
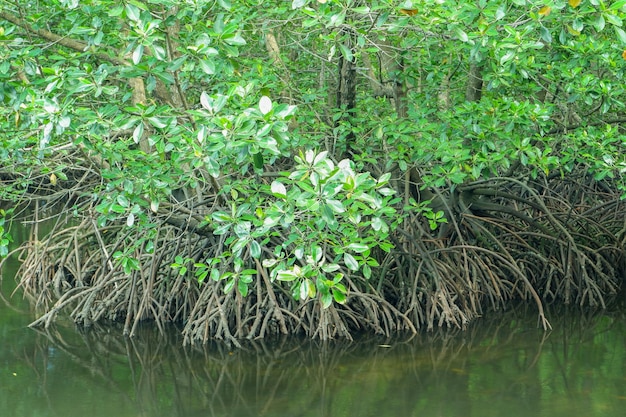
61, 40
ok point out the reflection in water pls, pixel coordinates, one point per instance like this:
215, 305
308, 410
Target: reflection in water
509, 368
498, 368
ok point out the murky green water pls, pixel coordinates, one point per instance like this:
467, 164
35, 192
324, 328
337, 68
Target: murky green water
503, 368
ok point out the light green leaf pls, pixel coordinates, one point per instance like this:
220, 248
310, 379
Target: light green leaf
255, 249
207, 66
265, 105
138, 132
132, 12
620, 34
335, 206
137, 54
460, 33
350, 262
286, 276
278, 189
358, 247
339, 297
123, 201
225, 4
612, 19
242, 287
327, 300
235, 40
229, 285
346, 52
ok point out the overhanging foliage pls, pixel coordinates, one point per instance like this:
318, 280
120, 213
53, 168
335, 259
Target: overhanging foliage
315, 166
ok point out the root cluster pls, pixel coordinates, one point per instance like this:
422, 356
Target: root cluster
505, 240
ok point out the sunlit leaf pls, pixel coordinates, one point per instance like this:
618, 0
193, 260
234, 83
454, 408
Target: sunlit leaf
620, 34
460, 33
350, 262
243, 288
137, 54
278, 189
230, 284
286, 276
327, 300
265, 105
255, 249
206, 101
132, 12
339, 297
574, 3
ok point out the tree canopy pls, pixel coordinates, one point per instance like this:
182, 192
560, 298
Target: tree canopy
315, 166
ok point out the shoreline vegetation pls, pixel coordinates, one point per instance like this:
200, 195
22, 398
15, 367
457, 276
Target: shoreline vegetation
313, 168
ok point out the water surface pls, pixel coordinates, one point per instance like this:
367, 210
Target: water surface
504, 367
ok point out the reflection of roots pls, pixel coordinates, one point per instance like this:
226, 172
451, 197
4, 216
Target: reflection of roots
505, 240
291, 377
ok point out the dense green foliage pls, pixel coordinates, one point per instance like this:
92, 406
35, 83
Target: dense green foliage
301, 154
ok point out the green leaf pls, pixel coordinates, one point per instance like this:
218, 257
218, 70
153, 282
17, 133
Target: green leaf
367, 271
620, 34
242, 287
546, 36
460, 33
225, 4
327, 300
286, 276
346, 52
350, 262
265, 106
123, 201
257, 159
158, 122
339, 297
307, 289
358, 247
137, 54
138, 132
335, 206
207, 66
132, 12
255, 249
278, 189
230, 284
329, 268
296, 4
612, 19
236, 40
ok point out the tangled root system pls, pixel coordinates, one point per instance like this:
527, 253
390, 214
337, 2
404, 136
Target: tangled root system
505, 240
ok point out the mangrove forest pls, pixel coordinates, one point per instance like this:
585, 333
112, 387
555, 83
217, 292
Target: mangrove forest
245, 169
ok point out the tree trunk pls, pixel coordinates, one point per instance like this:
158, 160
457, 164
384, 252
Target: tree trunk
346, 90
474, 89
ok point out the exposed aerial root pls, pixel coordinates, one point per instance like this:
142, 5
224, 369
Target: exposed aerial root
505, 240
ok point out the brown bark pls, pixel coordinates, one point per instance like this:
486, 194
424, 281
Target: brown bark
273, 51
474, 89
346, 90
